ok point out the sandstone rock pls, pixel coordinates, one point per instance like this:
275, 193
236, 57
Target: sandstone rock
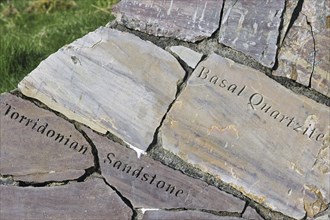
252, 27
88, 200
252, 214
190, 57
184, 215
150, 184
185, 20
110, 81
254, 134
304, 55
37, 146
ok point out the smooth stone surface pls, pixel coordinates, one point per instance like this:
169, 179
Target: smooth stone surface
88, 200
150, 184
254, 147
184, 215
185, 20
304, 56
252, 27
34, 153
251, 214
190, 57
110, 81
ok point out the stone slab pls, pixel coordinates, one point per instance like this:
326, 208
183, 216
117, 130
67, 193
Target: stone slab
88, 200
150, 184
252, 214
185, 20
236, 123
252, 27
38, 146
189, 56
110, 81
184, 215
304, 56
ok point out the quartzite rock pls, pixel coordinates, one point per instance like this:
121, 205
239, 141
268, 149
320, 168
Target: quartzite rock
290, 6
185, 20
304, 55
109, 80
190, 57
252, 27
88, 200
32, 147
184, 215
254, 134
149, 184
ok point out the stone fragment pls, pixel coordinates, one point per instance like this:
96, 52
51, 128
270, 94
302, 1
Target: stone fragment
184, 215
252, 133
88, 200
38, 146
304, 56
190, 57
110, 81
290, 6
252, 27
252, 214
185, 20
149, 184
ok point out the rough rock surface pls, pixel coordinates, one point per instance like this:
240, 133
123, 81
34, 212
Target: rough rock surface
32, 147
88, 200
185, 20
109, 80
190, 57
252, 27
304, 55
150, 184
184, 215
251, 213
267, 144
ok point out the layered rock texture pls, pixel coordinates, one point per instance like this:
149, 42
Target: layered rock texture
149, 118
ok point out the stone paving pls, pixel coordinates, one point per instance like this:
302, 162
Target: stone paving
176, 110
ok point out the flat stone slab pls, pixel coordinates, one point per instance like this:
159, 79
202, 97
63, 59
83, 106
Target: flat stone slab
187, 55
254, 134
38, 146
252, 27
184, 215
150, 184
185, 20
110, 81
304, 56
88, 200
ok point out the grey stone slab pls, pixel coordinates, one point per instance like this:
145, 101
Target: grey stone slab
185, 20
38, 146
189, 56
184, 215
304, 56
252, 27
150, 184
88, 200
266, 141
251, 214
110, 81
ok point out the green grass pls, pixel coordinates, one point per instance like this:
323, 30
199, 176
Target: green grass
31, 30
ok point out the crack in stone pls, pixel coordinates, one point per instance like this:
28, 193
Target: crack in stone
294, 17
123, 198
314, 52
180, 87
